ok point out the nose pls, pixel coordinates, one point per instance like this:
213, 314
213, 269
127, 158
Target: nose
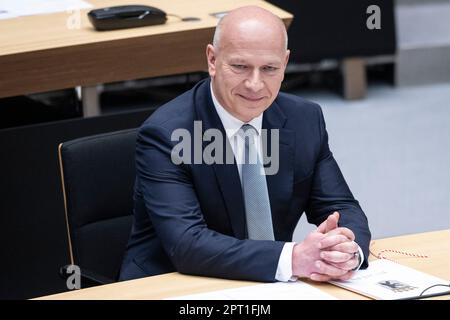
254, 82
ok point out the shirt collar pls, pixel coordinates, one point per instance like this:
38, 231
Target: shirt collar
230, 123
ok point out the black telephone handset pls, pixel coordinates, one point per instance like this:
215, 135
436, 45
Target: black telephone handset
130, 16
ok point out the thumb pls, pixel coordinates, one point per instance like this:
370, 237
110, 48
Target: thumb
332, 221
322, 228
329, 224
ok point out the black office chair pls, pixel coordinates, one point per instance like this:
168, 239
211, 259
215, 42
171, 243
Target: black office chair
97, 174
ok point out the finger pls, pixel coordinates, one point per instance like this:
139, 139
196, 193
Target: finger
332, 221
319, 277
348, 247
348, 265
327, 269
329, 223
344, 231
322, 228
336, 256
330, 241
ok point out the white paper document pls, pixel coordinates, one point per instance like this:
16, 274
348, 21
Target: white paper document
387, 280
17, 8
268, 291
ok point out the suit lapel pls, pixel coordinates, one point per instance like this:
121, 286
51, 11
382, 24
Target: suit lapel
227, 175
279, 185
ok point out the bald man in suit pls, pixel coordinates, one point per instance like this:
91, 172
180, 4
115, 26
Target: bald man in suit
219, 219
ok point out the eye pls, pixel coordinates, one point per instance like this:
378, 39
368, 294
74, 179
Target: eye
269, 68
239, 66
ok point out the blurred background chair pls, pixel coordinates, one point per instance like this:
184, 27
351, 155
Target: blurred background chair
97, 174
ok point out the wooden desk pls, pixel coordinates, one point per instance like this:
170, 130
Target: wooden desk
434, 244
48, 52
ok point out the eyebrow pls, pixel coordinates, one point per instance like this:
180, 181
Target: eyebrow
243, 61
237, 60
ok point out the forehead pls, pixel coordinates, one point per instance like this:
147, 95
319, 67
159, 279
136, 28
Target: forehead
247, 56
253, 35
242, 48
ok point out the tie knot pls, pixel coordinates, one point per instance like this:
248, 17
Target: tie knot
248, 130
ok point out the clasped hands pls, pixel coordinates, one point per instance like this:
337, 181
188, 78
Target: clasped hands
327, 253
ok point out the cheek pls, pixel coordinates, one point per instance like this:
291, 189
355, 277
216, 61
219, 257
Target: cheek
232, 84
274, 84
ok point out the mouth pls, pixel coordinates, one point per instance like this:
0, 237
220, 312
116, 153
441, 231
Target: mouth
249, 98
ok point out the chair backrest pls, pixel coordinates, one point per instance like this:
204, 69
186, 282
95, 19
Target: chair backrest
98, 174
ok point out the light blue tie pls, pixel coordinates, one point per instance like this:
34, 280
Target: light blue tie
254, 186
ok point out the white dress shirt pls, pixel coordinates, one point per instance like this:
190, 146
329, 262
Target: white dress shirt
232, 125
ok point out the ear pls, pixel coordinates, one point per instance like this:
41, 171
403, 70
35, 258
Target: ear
286, 60
211, 57
288, 52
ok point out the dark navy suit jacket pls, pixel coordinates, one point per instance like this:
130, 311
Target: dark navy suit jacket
190, 218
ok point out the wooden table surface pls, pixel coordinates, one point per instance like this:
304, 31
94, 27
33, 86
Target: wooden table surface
436, 245
48, 52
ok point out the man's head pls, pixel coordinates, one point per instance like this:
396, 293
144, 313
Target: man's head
247, 61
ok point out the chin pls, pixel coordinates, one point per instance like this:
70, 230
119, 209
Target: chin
250, 110
252, 114
257, 108
255, 105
